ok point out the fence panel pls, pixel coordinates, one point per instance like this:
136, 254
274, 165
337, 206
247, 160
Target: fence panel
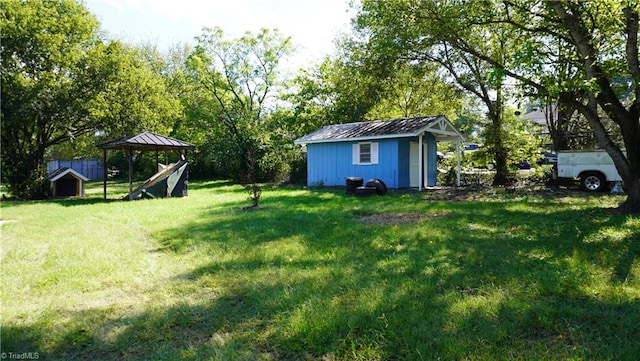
90, 168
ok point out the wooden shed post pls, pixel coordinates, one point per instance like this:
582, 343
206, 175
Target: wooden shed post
458, 147
420, 165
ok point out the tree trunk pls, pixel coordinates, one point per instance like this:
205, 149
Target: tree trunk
632, 203
563, 122
628, 165
249, 178
500, 153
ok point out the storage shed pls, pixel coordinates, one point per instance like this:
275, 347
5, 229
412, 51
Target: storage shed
400, 152
66, 182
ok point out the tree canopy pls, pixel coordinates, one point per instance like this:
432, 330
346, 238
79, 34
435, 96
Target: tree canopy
548, 49
64, 83
60, 81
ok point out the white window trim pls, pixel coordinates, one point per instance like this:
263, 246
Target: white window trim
356, 153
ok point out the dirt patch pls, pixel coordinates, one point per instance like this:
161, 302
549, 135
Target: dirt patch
465, 194
392, 219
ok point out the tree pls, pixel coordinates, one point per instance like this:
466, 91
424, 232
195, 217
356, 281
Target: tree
603, 40
46, 46
136, 97
241, 76
415, 90
603, 60
429, 32
343, 88
60, 81
359, 84
599, 40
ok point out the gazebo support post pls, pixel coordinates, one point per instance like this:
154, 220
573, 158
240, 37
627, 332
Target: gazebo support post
104, 173
130, 160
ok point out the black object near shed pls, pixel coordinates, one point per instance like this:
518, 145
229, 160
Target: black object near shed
354, 185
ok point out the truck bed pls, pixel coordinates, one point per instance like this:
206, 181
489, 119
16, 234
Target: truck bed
572, 164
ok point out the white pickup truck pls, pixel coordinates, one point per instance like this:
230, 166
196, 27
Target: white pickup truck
594, 168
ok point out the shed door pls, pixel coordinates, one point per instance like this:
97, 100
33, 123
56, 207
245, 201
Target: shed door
413, 163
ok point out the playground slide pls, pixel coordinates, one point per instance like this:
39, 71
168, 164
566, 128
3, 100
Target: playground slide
163, 183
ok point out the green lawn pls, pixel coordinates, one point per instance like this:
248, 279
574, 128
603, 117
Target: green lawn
320, 275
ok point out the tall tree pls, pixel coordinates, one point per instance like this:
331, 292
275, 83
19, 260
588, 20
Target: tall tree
60, 81
608, 49
47, 47
241, 76
602, 37
430, 32
417, 89
359, 84
140, 96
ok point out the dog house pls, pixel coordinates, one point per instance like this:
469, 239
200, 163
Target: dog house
66, 182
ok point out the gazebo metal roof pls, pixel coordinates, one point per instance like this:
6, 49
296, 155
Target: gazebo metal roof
146, 141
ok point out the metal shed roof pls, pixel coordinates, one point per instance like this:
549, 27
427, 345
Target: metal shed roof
146, 141
438, 125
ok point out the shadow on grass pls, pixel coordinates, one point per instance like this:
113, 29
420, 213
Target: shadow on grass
199, 185
304, 279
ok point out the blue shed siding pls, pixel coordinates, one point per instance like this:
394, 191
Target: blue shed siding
330, 163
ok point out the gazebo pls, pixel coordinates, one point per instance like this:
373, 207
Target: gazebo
143, 142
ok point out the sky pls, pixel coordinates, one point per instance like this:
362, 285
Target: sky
311, 24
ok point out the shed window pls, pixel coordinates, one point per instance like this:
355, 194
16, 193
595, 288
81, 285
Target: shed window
365, 153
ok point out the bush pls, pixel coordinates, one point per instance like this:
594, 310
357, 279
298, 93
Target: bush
467, 178
536, 177
33, 186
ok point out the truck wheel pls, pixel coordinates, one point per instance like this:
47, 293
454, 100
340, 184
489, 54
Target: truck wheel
593, 181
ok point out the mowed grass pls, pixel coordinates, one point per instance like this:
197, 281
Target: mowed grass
308, 277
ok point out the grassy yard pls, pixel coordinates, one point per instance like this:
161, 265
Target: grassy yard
321, 275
